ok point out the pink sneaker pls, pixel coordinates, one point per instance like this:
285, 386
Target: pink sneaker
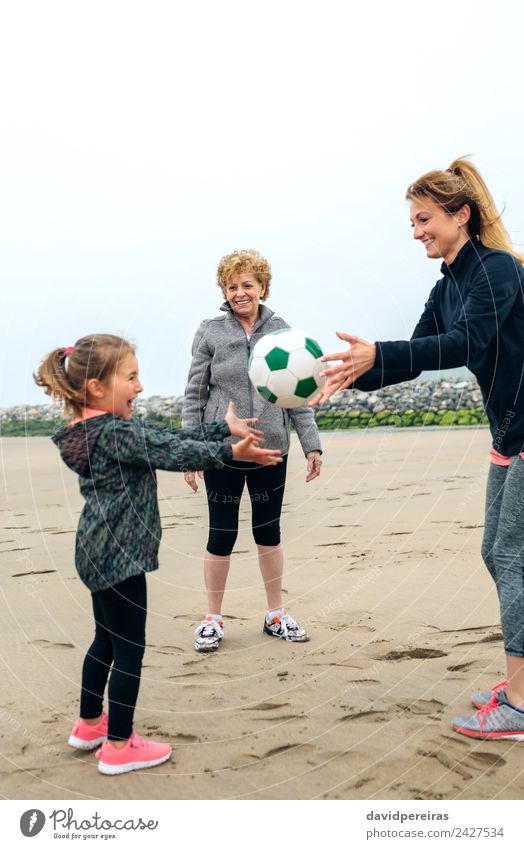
138, 753
87, 737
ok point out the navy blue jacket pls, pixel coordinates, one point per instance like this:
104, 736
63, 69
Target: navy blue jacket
474, 317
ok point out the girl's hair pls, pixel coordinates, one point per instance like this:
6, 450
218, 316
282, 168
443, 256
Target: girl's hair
65, 371
462, 183
244, 261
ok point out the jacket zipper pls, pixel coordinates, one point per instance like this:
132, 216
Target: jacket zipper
248, 346
249, 387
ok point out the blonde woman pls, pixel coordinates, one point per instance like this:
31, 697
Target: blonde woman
474, 317
218, 373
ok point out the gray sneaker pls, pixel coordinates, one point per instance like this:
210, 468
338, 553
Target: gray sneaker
483, 698
498, 720
208, 635
286, 628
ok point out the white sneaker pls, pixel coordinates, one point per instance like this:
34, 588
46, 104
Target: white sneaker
286, 628
208, 634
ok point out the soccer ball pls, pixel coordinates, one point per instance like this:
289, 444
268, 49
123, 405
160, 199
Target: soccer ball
285, 367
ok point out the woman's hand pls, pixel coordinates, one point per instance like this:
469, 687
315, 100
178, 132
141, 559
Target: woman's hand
190, 479
241, 427
357, 360
314, 464
247, 449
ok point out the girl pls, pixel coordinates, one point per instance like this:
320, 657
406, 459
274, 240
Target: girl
474, 317
115, 456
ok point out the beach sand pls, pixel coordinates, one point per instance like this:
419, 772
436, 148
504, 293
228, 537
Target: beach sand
382, 565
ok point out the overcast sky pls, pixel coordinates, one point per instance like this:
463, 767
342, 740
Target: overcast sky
142, 141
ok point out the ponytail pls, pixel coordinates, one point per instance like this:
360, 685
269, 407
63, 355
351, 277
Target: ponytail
52, 376
64, 372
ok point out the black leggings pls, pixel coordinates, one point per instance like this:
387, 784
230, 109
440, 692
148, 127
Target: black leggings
120, 639
224, 491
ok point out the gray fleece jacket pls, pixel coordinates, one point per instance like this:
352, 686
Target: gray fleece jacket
218, 374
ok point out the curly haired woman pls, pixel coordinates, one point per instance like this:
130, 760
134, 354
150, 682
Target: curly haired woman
218, 373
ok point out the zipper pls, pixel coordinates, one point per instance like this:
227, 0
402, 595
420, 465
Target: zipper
249, 387
256, 328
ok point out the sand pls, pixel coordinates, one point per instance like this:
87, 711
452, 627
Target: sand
382, 566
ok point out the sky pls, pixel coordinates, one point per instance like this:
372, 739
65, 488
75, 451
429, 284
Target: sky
143, 141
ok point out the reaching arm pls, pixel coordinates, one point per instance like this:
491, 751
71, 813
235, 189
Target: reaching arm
204, 432
135, 442
491, 296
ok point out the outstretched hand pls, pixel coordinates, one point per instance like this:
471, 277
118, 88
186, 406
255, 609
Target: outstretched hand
247, 449
356, 360
241, 427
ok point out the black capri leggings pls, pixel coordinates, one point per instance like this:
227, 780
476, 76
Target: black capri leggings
224, 491
120, 638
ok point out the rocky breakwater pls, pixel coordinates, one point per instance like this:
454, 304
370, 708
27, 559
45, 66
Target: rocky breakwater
416, 403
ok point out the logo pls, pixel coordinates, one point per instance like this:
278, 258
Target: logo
32, 822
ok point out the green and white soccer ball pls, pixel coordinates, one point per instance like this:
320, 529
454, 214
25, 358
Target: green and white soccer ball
285, 367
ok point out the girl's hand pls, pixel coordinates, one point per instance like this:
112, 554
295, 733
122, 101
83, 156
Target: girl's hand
247, 450
358, 359
190, 479
241, 427
314, 464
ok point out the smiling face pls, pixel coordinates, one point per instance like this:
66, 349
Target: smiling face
443, 234
243, 293
117, 394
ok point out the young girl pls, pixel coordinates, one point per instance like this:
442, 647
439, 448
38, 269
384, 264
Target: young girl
115, 456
